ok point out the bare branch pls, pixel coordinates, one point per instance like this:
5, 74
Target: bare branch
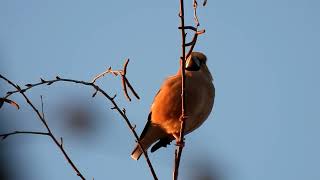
49, 133
97, 89
178, 150
180, 142
101, 75
124, 80
4, 136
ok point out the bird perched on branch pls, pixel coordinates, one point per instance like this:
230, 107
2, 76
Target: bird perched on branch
164, 119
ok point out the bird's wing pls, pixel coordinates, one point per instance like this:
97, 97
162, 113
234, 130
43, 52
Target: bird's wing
163, 142
146, 127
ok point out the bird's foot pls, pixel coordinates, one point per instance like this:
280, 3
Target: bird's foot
180, 143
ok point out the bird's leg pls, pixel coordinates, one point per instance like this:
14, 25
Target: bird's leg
177, 137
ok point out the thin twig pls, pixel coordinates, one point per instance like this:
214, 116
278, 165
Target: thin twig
4, 136
42, 112
97, 89
101, 75
196, 19
124, 80
131, 88
180, 141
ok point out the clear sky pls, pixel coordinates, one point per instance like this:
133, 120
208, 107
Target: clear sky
264, 56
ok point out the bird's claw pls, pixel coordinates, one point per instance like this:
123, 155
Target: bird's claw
180, 143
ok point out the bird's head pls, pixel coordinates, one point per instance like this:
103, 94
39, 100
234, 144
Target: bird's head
197, 63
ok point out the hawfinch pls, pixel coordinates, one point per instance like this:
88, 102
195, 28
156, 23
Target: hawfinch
164, 119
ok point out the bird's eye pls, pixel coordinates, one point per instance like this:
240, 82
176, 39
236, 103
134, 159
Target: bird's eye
193, 64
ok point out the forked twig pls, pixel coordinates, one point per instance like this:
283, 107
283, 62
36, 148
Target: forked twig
124, 80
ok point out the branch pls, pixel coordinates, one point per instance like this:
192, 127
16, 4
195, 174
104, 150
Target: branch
124, 80
49, 133
180, 142
4, 136
97, 89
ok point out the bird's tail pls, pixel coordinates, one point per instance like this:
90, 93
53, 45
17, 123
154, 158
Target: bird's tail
150, 136
136, 153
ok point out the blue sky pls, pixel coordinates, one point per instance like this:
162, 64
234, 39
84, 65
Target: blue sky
264, 56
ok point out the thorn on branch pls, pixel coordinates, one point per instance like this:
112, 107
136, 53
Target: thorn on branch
51, 82
204, 3
29, 85
113, 108
114, 96
61, 141
42, 80
57, 77
124, 111
95, 93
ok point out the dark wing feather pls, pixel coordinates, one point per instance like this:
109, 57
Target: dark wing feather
146, 127
163, 142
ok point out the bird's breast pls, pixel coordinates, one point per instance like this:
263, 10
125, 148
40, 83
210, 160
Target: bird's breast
166, 109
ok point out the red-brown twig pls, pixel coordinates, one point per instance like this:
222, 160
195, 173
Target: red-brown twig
124, 80
180, 141
97, 89
183, 118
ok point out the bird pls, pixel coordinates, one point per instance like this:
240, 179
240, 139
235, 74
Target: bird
163, 125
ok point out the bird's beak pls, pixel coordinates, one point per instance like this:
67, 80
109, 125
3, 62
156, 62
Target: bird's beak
193, 64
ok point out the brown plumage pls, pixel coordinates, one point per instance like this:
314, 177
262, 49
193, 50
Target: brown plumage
163, 121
